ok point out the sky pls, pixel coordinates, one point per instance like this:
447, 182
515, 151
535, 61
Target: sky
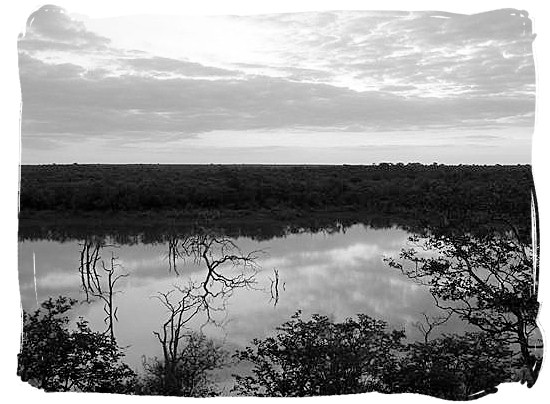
341, 87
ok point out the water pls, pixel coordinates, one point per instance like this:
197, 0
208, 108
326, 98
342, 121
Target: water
339, 274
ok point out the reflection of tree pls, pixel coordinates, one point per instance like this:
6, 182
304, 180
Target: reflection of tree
227, 269
89, 257
93, 284
274, 287
173, 253
488, 281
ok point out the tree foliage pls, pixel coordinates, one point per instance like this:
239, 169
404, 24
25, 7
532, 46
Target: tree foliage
448, 194
454, 367
191, 375
489, 281
54, 357
320, 357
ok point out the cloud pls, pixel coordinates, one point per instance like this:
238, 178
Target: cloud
51, 27
320, 72
173, 66
377, 50
60, 99
36, 70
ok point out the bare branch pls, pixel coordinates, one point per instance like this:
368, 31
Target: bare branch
100, 286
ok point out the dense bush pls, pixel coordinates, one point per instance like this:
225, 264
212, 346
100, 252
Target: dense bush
192, 377
454, 367
310, 357
55, 357
450, 193
322, 357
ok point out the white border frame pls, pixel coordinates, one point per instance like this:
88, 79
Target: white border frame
14, 18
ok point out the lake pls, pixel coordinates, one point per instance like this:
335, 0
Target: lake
336, 273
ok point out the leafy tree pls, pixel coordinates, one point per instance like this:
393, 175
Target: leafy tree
56, 358
489, 281
191, 375
320, 357
454, 367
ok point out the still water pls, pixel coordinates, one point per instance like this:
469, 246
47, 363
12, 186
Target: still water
337, 274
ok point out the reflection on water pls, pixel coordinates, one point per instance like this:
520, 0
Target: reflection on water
337, 274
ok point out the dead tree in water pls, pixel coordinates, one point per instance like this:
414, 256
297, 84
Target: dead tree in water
173, 253
227, 269
226, 265
93, 285
274, 289
89, 257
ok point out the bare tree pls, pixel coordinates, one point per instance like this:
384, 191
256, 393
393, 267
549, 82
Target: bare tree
173, 253
274, 288
197, 357
227, 269
430, 323
93, 284
89, 257
180, 312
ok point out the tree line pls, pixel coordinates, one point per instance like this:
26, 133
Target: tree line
454, 193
